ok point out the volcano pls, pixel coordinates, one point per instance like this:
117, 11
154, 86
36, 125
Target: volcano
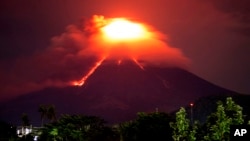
116, 91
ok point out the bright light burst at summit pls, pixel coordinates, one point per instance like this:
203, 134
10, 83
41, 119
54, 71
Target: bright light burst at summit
121, 29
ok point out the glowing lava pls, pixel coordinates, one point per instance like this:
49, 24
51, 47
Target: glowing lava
120, 29
91, 71
137, 63
119, 62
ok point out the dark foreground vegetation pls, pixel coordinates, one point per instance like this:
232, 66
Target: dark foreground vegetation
156, 126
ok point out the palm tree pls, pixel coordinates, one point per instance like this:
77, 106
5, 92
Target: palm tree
51, 114
47, 111
43, 111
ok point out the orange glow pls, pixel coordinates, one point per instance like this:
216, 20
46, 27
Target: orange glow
120, 29
92, 70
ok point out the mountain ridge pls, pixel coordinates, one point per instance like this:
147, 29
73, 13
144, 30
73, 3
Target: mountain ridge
117, 91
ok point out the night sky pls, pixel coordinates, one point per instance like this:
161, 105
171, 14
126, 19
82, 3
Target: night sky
214, 35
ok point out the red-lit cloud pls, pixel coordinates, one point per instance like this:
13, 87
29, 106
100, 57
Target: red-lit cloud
73, 53
146, 45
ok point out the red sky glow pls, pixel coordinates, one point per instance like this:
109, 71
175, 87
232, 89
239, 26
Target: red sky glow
52, 43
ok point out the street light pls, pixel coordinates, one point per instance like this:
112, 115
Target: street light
191, 112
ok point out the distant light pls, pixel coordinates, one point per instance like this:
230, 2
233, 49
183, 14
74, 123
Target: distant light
35, 138
191, 104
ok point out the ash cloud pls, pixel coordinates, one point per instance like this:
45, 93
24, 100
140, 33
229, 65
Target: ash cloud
74, 52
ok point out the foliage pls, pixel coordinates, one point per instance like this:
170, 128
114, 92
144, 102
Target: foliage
218, 124
152, 126
77, 128
182, 131
155, 126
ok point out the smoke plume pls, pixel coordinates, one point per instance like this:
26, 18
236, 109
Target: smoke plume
72, 54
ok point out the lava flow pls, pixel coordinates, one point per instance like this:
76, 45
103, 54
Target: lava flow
138, 64
91, 71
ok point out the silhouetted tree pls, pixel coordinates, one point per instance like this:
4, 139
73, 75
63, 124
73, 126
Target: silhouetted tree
47, 112
43, 111
51, 113
25, 120
77, 128
152, 126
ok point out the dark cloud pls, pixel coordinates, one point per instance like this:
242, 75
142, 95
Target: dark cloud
238, 10
26, 26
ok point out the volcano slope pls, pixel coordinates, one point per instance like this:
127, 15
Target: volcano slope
116, 92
